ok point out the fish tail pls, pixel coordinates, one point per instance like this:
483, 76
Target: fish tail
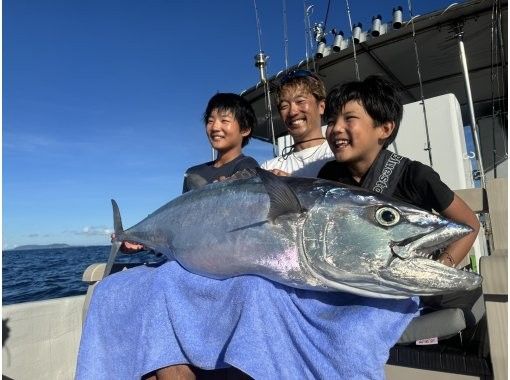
116, 242
117, 221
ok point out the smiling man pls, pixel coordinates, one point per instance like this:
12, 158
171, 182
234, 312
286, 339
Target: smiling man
300, 97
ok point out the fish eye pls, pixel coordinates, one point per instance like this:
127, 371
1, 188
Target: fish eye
387, 216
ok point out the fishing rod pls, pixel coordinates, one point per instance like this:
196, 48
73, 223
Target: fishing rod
356, 66
428, 146
285, 35
261, 64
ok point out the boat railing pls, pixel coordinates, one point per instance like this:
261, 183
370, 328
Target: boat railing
494, 269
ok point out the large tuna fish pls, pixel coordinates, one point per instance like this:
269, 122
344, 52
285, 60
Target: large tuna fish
303, 232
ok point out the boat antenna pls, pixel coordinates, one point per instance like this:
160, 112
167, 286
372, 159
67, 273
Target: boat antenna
428, 147
261, 63
285, 35
356, 67
259, 30
459, 32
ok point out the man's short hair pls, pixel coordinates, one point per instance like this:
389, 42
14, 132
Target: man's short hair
241, 110
379, 96
304, 79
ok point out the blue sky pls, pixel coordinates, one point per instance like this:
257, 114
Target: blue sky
103, 99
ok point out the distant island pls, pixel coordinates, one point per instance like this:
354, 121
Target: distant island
38, 246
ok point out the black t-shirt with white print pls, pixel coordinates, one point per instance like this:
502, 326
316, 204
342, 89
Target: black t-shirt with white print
418, 185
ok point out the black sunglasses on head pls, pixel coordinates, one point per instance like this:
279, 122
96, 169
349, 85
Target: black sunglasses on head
297, 74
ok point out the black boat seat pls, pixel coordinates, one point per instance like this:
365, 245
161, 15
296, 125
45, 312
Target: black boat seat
447, 322
441, 324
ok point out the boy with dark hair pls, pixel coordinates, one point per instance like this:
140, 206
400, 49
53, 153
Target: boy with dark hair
229, 122
363, 118
300, 98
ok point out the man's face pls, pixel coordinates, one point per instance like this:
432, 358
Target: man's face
300, 112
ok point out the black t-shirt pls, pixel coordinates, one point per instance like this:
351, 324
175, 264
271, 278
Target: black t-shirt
418, 185
207, 173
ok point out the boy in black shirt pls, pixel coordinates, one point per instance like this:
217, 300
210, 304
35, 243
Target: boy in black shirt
229, 122
363, 118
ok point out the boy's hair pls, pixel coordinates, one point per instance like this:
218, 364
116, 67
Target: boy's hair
241, 110
302, 78
379, 97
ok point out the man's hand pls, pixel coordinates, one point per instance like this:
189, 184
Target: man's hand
221, 178
279, 172
128, 247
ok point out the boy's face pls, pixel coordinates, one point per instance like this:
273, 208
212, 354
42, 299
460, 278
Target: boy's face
224, 132
300, 112
353, 136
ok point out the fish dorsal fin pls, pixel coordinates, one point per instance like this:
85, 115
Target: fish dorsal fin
283, 200
244, 174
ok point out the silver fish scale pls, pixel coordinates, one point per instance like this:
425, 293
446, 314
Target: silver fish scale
222, 230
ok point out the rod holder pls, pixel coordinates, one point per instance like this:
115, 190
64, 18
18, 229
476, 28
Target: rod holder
356, 33
376, 26
397, 17
261, 63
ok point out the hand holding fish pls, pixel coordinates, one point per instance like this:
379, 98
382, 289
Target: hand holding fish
280, 173
128, 247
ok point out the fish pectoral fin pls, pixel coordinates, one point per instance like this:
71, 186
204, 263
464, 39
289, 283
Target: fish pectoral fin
282, 199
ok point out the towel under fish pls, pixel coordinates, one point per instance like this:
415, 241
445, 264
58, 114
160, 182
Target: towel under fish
146, 318
270, 275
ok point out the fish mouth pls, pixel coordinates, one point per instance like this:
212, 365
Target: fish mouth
425, 277
413, 265
427, 244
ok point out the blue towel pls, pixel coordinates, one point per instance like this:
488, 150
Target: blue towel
147, 318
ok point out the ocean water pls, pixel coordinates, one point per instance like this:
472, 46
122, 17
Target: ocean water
40, 274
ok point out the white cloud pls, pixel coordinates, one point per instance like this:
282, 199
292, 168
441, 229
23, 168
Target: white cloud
94, 231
